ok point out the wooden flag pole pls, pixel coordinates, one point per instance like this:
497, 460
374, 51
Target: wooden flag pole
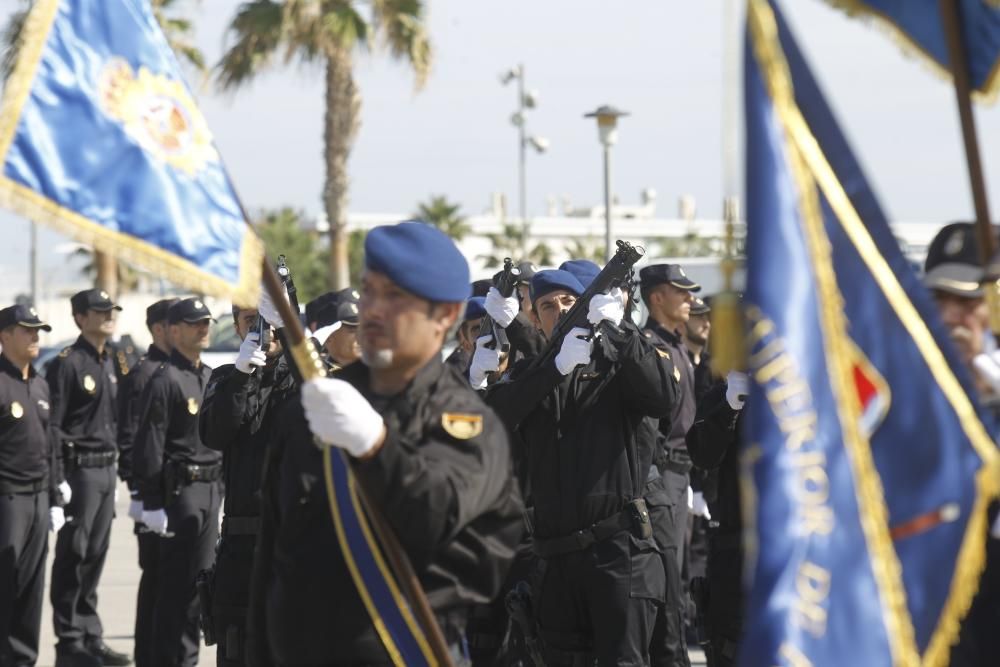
957, 57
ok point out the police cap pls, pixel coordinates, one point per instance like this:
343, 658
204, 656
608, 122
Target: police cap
419, 258
22, 315
952, 263
526, 271
189, 310
343, 307
671, 274
157, 312
92, 299
700, 307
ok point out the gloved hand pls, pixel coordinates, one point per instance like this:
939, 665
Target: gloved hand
699, 507
484, 360
268, 310
250, 356
135, 510
575, 351
116, 496
340, 416
987, 365
738, 385
155, 520
65, 491
503, 311
57, 519
607, 307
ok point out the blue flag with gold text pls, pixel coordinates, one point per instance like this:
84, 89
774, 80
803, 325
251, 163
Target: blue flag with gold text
101, 139
917, 26
870, 464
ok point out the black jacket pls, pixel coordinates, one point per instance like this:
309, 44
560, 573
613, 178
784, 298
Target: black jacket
713, 443
168, 426
681, 414
129, 394
236, 420
586, 457
83, 387
450, 499
27, 452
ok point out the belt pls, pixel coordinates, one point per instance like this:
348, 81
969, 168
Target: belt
240, 525
7, 487
676, 459
94, 459
197, 472
582, 539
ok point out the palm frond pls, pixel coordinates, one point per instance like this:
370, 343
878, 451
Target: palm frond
12, 41
402, 25
257, 27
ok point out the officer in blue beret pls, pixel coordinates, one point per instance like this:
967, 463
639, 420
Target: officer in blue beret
583, 269
434, 457
467, 333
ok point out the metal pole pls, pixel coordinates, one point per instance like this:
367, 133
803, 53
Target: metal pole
609, 250
34, 264
522, 178
951, 21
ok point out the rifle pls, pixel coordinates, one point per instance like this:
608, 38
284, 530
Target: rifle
615, 274
285, 274
505, 282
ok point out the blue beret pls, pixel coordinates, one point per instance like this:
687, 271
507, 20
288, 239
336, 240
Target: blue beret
475, 308
419, 258
584, 270
554, 279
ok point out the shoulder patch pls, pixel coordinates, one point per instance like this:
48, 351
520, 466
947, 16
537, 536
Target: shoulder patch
462, 426
647, 334
65, 352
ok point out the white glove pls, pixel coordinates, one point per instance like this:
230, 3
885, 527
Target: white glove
325, 332
250, 356
135, 510
340, 416
698, 505
57, 519
268, 310
606, 307
738, 386
116, 495
987, 365
65, 491
484, 360
155, 520
575, 350
503, 311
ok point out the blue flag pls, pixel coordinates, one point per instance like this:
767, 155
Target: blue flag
869, 463
101, 138
917, 25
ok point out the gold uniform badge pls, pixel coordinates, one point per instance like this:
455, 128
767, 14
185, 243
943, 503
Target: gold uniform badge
16, 410
462, 426
192, 406
89, 384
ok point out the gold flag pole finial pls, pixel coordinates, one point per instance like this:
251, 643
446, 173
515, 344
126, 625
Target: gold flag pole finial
728, 344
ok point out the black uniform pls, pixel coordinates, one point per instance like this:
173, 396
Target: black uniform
83, 388
588, 463
130, 394
236, 420
448, 494
714, 445
172, 469
29, 477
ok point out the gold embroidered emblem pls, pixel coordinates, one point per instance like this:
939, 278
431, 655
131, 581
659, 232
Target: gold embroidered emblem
16, 411
64, 353
89, 384
677, 374
43, 404
663, 353
159, 114
192, 406
104, 295
462, 426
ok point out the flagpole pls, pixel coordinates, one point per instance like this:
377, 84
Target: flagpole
307, 361
957, 57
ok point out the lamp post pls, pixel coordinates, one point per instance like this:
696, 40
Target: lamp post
607, 130
525, 100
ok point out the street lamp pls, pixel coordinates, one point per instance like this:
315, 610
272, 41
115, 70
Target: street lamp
525, 100
607, 128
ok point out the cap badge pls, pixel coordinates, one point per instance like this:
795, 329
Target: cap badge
680, 272
104, 295
354, 309
954, 244
16, 411
198, 304
354, 294
43, 404
89, 384
33, 313
462, 426
192, 406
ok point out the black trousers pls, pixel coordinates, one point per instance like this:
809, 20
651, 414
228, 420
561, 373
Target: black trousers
725, 604
599, 604
81, 548
979, 638
193, 522
145, 602
231, 598
24, 527
668, 511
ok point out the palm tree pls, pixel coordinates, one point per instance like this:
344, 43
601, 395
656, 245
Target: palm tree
178, 31
587, 248
326, 33
689, 245
444, 215
284, 232
515, 241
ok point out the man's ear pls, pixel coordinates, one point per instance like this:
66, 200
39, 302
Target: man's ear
446, 314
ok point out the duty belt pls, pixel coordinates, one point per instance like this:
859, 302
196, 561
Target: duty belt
677, 459
8, 487
93, 459
196, 472
634, 519
240, 525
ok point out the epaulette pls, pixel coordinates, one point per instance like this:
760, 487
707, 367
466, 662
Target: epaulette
65, 352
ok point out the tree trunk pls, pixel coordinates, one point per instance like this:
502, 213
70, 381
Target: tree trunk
107, 273
343, 119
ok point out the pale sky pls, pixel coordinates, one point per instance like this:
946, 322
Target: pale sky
661, 61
